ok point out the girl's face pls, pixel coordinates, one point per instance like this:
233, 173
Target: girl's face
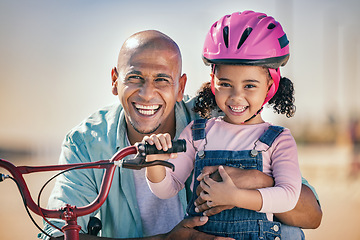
240, 91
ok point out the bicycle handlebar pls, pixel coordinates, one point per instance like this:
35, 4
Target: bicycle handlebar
70, 213
177, 146
145, 149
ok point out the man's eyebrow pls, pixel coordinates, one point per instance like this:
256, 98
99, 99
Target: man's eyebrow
134, 72
164, 75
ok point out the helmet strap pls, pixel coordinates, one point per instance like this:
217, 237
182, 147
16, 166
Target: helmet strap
275, 75
212, 79
259, 111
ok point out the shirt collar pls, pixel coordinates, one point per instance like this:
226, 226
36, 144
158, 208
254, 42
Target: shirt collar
122, 138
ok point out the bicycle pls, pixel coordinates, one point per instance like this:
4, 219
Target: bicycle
70, 213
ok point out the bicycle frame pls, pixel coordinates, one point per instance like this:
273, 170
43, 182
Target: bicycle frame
68, 213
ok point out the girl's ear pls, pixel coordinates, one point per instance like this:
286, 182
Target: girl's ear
270, 83
114, 77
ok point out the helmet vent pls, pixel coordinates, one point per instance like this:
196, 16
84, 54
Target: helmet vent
261, 17
271, 26
283, 41
226, 36
244, 36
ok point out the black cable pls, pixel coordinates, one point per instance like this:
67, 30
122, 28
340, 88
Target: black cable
56, 175
26, 207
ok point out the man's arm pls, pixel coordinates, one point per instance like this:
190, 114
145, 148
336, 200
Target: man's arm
184, 230
306, 214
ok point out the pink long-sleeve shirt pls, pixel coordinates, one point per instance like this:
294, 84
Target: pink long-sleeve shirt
279, 161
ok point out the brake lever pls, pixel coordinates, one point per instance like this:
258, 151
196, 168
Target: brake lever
139, 162
144, 149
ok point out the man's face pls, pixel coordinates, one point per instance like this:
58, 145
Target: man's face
148, 87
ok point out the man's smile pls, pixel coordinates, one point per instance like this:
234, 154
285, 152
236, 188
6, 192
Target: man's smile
147, 110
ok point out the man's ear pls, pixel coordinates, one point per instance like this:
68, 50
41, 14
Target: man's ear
114, 77
182, 84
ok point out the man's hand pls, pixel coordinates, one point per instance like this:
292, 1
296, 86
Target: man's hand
246, 179
185, 230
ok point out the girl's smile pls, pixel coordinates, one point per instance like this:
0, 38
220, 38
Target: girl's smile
238, 110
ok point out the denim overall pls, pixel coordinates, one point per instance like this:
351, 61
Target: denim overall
236, 223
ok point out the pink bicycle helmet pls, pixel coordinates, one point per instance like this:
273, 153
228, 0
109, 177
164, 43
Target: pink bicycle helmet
248, 38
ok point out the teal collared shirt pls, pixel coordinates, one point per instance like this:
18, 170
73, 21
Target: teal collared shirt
99, 137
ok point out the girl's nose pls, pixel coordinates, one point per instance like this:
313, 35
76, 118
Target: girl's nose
237, 93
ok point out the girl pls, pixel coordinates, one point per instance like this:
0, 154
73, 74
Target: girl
245, 51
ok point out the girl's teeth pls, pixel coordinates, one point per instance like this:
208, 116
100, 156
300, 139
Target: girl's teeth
238, 109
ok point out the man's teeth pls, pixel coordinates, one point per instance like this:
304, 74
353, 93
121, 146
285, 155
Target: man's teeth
237, 109
147, 109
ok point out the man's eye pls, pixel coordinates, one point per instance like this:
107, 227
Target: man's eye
134, 79
162, 82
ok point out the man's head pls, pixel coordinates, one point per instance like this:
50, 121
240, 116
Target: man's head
148, 82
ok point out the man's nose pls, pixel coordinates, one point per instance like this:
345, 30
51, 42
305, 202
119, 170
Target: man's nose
147, 90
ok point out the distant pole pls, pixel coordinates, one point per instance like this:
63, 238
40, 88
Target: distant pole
331, 64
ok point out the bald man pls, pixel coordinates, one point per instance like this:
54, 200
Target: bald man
149, 83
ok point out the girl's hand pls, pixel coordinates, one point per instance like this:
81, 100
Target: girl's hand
162, 142
218, 193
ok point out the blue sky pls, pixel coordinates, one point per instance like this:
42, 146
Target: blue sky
56, 56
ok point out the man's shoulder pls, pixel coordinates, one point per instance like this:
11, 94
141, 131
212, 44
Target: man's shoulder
98, 124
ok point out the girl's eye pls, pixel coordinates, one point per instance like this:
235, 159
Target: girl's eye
250, 86
225, 84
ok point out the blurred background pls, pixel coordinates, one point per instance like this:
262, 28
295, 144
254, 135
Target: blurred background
55, 62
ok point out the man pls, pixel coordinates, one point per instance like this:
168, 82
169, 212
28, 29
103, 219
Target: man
150, 86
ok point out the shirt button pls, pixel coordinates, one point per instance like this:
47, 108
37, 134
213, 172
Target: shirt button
276, 228
277, 238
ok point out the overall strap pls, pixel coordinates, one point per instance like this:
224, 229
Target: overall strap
269, 136
198, 129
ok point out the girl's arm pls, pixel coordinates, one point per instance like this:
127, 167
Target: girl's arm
163, 182
283, 166
156, 174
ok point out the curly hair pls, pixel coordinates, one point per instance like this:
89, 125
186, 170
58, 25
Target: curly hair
282, 102
205, 101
